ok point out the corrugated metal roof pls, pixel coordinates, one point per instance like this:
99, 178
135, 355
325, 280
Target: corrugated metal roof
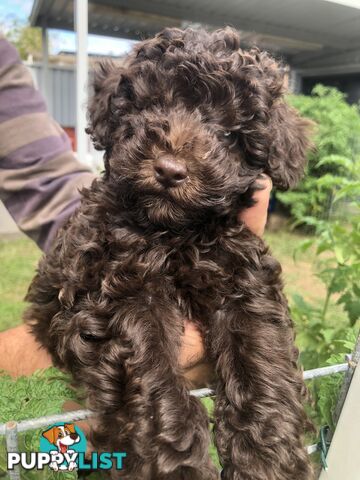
303, 30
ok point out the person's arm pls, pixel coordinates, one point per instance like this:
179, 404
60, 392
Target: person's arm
40, 176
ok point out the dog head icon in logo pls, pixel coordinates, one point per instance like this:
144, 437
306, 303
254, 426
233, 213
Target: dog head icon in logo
64, 441
62, 436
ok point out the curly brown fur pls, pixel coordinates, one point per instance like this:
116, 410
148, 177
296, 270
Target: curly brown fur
110, 298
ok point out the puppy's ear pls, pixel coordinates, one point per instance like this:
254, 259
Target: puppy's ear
70, 427
50, 435
102, 114
290, 141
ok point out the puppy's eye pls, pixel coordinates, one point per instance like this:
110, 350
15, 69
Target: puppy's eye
229, 138
166, 126
128, 133
88, 337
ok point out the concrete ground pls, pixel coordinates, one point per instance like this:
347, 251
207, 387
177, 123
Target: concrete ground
7, 224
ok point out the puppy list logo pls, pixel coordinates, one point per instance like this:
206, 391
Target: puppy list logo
62, 448
68, 441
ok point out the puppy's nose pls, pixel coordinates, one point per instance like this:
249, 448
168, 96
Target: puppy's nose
74, 436
170, 172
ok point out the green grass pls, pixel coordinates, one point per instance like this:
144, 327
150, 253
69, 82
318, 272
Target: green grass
18, 260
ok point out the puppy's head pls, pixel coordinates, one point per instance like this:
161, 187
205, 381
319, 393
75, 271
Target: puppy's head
62, 436
189, 121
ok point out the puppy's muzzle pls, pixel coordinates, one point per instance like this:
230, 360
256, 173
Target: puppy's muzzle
170, 172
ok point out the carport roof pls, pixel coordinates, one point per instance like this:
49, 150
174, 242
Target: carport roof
309, 33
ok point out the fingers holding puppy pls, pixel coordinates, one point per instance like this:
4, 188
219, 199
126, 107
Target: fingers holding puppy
255, 217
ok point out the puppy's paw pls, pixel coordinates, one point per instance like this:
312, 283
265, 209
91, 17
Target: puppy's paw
72, 466
54, 466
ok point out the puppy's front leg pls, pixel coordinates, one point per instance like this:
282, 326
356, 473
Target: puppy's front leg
162, 429
259, 417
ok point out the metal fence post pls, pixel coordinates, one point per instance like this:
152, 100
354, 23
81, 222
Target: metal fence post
12, 447
342, 459
352, 361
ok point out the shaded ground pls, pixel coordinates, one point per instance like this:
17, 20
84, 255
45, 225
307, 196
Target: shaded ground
299, 272
299, 276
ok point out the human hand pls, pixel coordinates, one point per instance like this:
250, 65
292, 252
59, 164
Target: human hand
192, 352
255, 217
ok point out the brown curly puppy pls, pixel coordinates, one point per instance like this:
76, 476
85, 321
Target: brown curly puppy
187, 123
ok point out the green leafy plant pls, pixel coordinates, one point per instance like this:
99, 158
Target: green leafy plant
25, 38
322, 338
332, 162
43, 393
338, 242
326, 390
